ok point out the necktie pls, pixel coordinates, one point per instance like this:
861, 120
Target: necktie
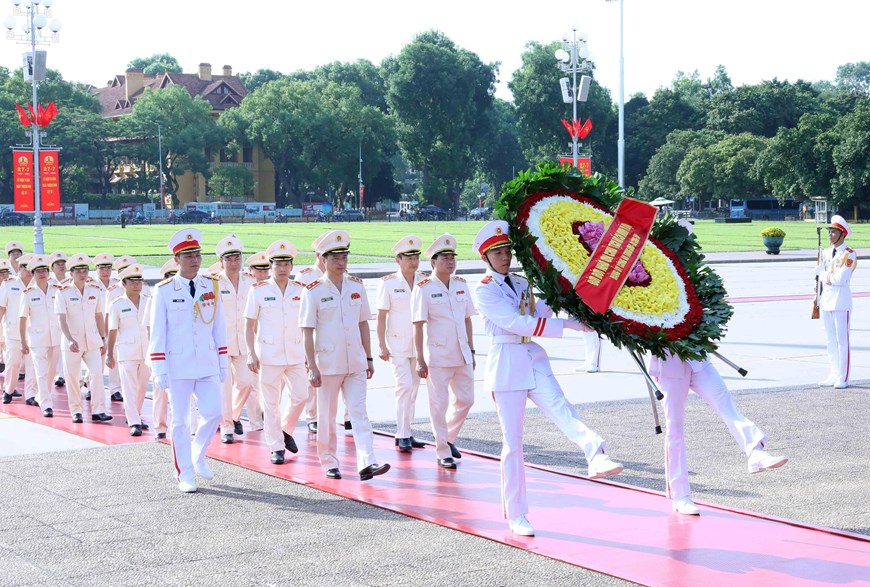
192, 288
507, 280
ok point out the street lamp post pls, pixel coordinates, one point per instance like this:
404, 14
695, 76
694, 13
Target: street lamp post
620, 144
32, 25
574, 57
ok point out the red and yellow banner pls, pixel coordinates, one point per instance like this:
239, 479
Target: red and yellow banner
584, 164
615, 256
49, 181
22, 173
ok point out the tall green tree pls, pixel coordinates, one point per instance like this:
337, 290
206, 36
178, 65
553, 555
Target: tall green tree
763, 108
851, 155
661, 175
362, 74
156, 64
722, 170
254, 80
439, 95
854, 77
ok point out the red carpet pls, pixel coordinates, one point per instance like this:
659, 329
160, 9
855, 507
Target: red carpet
610, 528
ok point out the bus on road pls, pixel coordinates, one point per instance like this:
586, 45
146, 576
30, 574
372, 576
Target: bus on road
765, 209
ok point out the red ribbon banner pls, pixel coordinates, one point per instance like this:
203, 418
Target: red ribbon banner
49, 181
616, 253
584, 164
22, 173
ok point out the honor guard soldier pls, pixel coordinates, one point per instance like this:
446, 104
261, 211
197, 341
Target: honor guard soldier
189, 354
306, 276
334, 318
40, 330
128, 345
258, 266
160, 399
835, 276
275, 349
234, 287
10, 303
518, 369
441, 308
79, 308
14, 250
676, 377
396, 334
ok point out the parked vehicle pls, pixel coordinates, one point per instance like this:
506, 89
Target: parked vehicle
190, 217
14, 219
431, 213
480, 214
349, 216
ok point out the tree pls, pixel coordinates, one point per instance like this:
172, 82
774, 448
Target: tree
851, 156
722, 170
187, 130
362, 74
252, 81
439, 96
233, 182
854, 77
763, 108
155, 64
500, 156
661, 174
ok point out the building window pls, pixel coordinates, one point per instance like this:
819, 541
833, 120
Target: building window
208, 154
227, 157
247, 154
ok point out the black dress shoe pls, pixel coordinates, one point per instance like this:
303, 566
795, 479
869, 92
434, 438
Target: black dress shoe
31, 401
348, 425
117, 397
15, 394
447, 463
277, 457
417, 444
7, 399
227, 438
404, 444
59, 382
333, 474
77, 419
373, 471
237, 428
100, 417
454, 452
48, 413
312, 427
289, 443
88, 396
144, 426
135, 430
161, 435
21, 377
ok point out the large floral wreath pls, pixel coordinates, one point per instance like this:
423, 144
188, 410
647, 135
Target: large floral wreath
672, 301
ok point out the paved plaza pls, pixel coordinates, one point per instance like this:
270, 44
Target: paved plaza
80, 513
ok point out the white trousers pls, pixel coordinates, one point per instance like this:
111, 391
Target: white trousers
207, 392
511, 409
134, 383
593, 350
13, 360
72, 364
709, 385
837, 335
353, 386
44, 365
407, 385
239, 383
114, 379
273, 378
160, 408
451, 395
311, 404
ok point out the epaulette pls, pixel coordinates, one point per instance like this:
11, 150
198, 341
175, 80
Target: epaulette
457, 278
56, 286
388, 276
424, 282
299, 283
850, 250
259, 283
111, 287
425, 273
313, 284
355, 278
165, 281
27, 289
62, 287
486, 279
306, 270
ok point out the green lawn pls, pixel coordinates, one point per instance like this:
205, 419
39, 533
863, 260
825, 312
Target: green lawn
371, 241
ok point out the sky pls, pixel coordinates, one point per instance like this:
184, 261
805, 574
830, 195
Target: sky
755, 40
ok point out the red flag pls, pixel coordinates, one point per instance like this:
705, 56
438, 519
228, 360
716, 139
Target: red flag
22, 115
51, 112
568, 127
32, 114
584, 130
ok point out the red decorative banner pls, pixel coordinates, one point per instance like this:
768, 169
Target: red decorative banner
584, 164
575, 129
49, 181
616, 253
22, 173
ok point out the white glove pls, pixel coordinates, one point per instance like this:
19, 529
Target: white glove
572, 324
223, 374
820, 269
161, 381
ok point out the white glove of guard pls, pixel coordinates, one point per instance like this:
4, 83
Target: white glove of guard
162, 381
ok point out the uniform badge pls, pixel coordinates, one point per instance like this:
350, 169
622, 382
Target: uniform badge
848, 262
329, 299
461, 291
270, 299
126, 310
296, 298
354, 296
436, 295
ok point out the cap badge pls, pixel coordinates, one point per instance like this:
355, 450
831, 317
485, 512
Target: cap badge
282, 247
498, 230
190, 237
338, 238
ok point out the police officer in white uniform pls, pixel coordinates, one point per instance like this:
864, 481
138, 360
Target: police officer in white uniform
258, 266
441, 309
396, 334
14, 250
57, 263
10, 304
234, 289
835, 271
160, 396
79, 308
334, 319
189, 354
40, 330
275, 349
114, 291
518, 369
128, 345
306, 276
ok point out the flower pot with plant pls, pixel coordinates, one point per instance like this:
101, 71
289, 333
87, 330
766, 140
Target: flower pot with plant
772, 238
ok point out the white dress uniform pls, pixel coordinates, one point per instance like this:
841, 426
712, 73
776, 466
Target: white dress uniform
279, 348
307, 276
131, 347
188, 346
518, 369
43, 332
82, 308
239, 385
335, 316
448, 351
107, 259
835, 275
10, 301
57, 277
